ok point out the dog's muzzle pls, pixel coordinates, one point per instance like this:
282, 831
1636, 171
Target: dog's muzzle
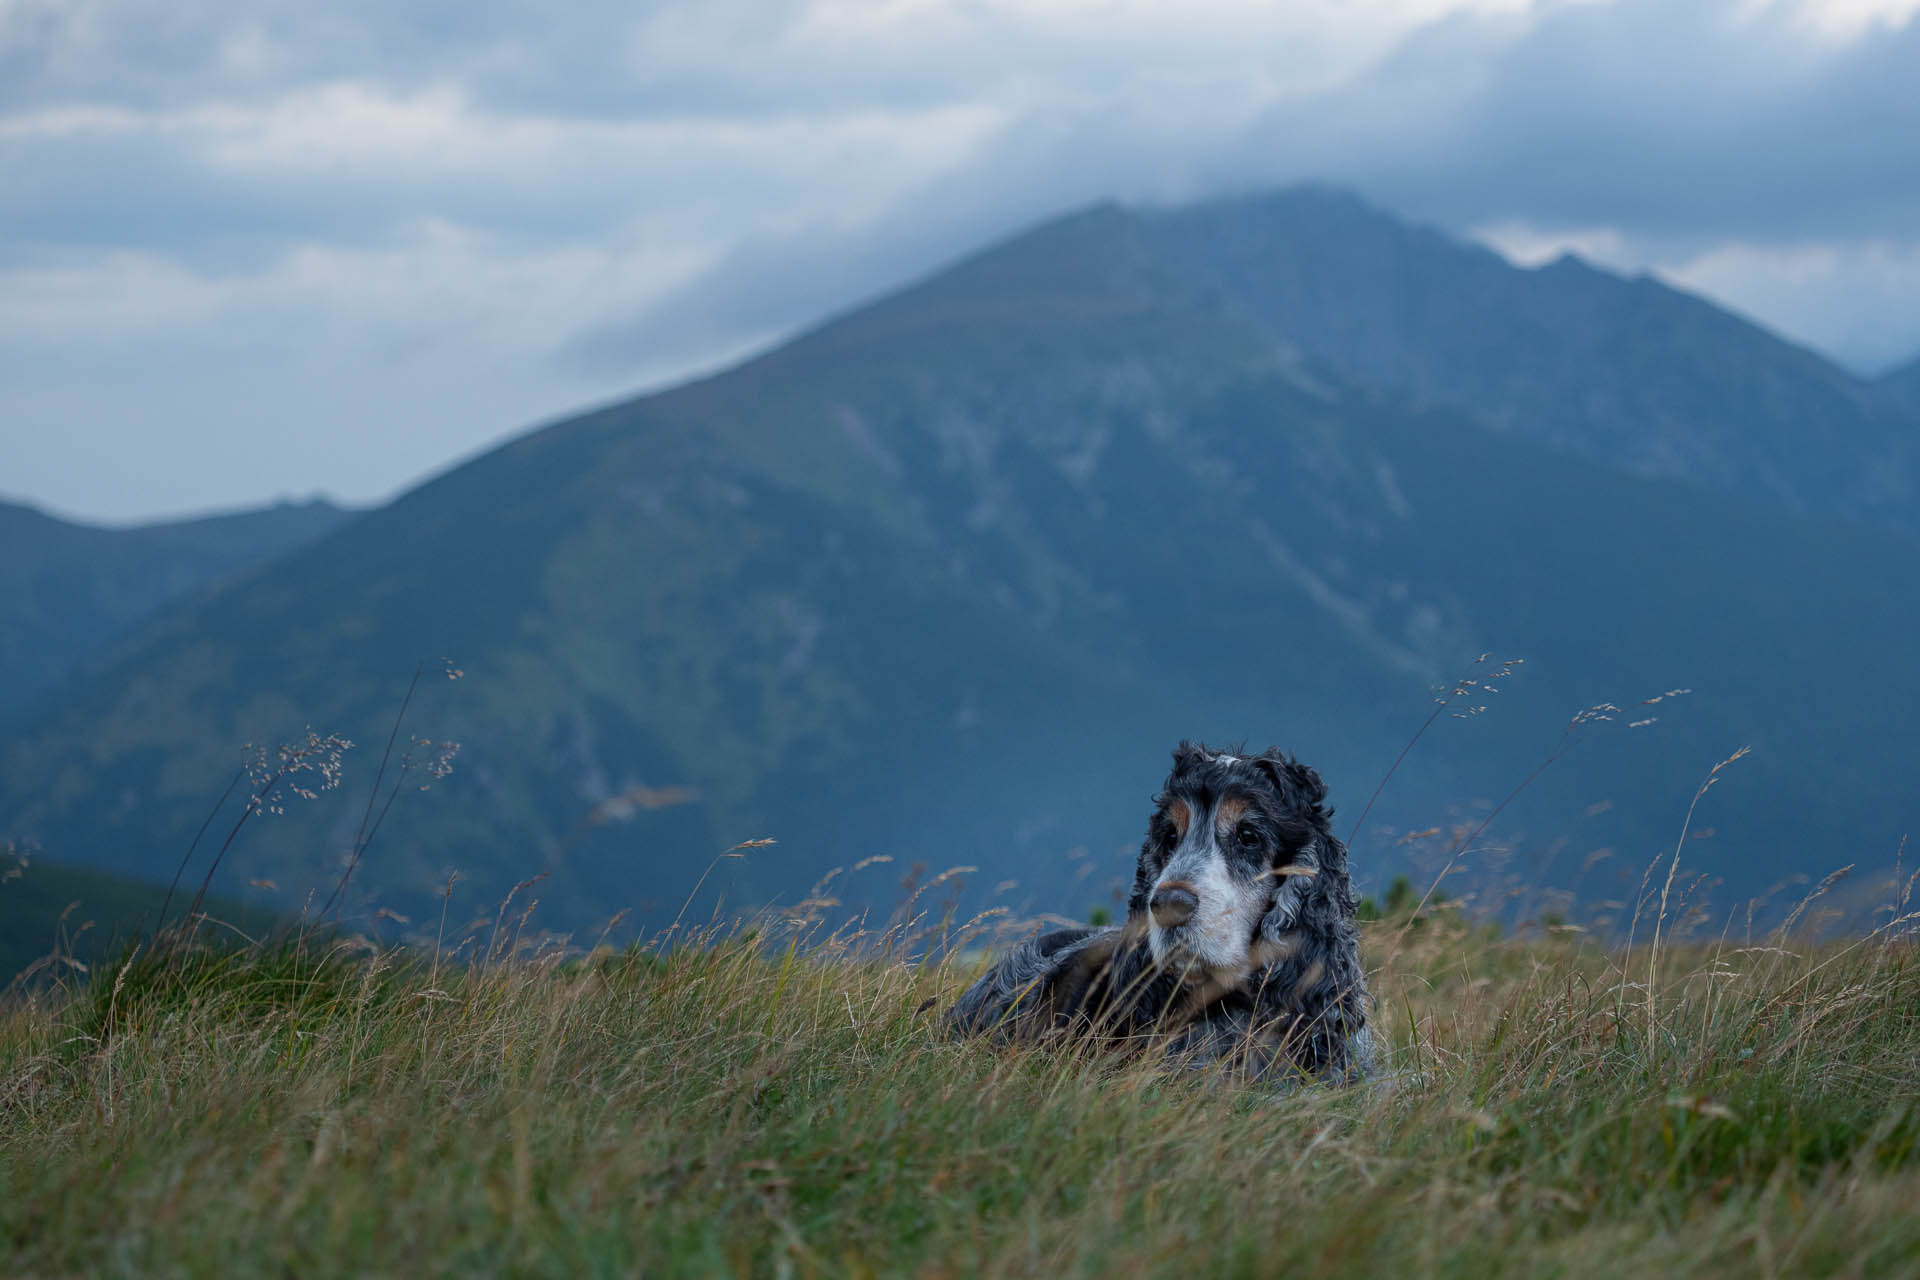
1173, 905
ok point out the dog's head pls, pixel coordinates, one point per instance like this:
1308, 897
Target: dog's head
1233, 851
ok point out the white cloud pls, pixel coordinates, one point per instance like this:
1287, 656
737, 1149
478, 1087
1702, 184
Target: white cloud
842, 161
1838, 21
359, 130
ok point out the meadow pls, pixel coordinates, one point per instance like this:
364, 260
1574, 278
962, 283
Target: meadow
775, 1102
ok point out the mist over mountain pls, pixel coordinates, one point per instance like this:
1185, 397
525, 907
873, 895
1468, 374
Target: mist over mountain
944, 579
69, 590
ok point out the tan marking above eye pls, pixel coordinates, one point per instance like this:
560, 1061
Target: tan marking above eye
1180, 816
1228, 815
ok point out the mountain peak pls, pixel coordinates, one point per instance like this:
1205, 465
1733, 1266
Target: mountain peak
1631, 372
1568, 260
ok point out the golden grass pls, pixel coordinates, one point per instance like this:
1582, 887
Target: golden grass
733, 1105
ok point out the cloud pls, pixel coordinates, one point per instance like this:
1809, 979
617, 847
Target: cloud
626, 59
1648, 135
137, 385
349, 163
1029, 170
1684, 121
465, 213
160, 54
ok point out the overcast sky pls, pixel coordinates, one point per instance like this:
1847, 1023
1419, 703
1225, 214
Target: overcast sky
254, 248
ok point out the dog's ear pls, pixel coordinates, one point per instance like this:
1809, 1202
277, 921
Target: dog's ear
1299, 783
1143, 868
1304, 792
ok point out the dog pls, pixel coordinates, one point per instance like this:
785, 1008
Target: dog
1240, 947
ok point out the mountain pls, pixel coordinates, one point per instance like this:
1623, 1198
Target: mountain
68, 590
944, 579
1630, 373
52, 915
1900, 387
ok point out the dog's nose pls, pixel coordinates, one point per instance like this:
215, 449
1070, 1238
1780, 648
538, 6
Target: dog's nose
1172, 904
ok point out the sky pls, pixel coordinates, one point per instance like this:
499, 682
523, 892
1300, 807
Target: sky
255, 249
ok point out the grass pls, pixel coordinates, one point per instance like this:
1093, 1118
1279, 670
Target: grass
733, 1106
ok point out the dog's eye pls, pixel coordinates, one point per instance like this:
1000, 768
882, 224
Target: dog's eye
1249, 836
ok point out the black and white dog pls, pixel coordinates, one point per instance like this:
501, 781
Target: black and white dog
1239, 947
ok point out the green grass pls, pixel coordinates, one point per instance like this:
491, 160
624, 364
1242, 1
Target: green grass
735, 1108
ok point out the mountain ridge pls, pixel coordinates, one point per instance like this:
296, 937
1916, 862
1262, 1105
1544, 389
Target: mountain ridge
69, 589
1631, 373
945, 577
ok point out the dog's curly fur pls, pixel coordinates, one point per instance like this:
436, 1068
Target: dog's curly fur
1239, 948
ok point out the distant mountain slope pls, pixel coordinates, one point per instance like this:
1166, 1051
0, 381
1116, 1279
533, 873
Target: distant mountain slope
1901, 386
68, 590
1631, 373
51, 914
945, 578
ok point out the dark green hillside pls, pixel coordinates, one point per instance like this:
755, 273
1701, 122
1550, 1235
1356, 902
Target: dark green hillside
67, 591
53, 910
945, 578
